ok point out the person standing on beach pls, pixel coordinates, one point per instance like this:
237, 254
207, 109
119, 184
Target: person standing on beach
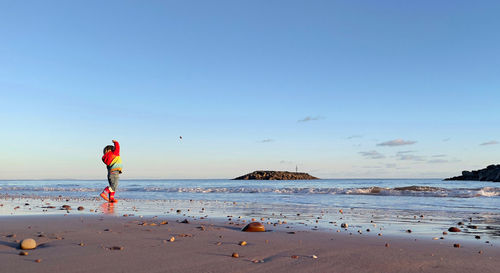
113, 163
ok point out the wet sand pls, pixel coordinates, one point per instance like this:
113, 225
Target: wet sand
89, 243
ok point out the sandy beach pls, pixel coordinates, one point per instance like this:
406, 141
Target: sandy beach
87, 243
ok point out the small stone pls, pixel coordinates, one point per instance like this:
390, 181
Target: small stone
456, 245
314, 256
472, 227
344, 225
163, 223
235, 255
172, 239
28, 244
218, 243
66, 207
254, 227
460, 223
81, 244
11, 236
480, 252
38, 260
454, 229
386, 245
23, 253
435, 238
242, 243
107, 229
178, 211
81, 208
117, 248
408, 230
185, 221
291, 232
294, 257
477, 237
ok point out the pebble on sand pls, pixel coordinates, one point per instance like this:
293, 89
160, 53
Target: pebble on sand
254, 227
171, 239
454, 229
294, 257
314, 256
344, 225
38, 260
235, 255
81, 208
242, 243
456, 245
66, 207
23, 253
28, 244
117, 248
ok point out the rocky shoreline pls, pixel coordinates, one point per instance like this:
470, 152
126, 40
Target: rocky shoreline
490, 173
276, 175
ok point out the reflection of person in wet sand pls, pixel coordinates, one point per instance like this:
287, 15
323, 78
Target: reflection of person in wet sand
108, 208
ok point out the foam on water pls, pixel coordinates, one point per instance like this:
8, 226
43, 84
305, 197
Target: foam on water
423, 191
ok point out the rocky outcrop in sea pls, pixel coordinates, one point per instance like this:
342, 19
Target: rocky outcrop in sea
490, 173
276, 175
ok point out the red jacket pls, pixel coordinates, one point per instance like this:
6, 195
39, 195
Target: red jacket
112, 159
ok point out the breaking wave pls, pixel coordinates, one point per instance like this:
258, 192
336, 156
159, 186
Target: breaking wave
420, 191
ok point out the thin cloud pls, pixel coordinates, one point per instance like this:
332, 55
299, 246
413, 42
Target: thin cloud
286, 162
267, 140
309, 118
438, 161
354, 136
493, 142
440, 155
397, 142
410, 157
372, 154
405, 152
447, 139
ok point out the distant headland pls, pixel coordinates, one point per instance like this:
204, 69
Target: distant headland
276, 175
490, 173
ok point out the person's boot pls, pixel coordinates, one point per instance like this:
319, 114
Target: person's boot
105, 193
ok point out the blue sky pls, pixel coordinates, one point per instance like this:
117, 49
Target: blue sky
249, 85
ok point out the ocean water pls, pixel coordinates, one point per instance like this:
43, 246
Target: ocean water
426, 205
